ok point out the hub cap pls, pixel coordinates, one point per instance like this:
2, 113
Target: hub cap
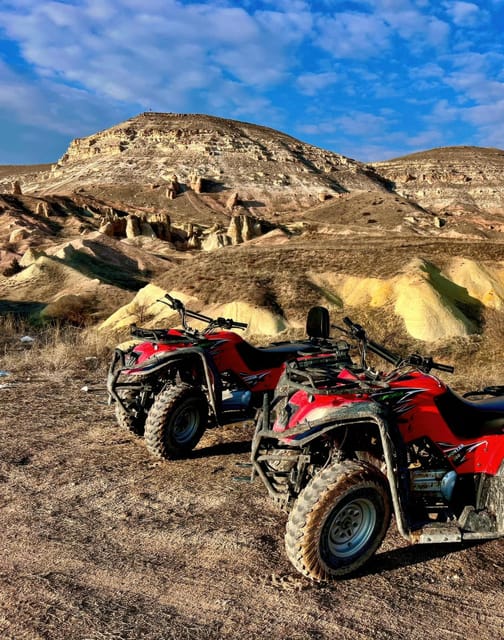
185, 425
350, 528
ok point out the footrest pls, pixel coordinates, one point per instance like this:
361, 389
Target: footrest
431, 534
242, 478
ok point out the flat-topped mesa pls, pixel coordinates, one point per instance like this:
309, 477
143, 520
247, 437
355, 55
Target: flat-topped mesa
450, 179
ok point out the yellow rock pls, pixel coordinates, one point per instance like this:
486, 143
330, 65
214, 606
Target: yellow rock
484, 283
145, 310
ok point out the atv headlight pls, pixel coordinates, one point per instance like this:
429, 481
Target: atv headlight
131, 358
285, 414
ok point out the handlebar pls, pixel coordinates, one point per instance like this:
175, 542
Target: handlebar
426, 363
414, 360
358, 332
223, 323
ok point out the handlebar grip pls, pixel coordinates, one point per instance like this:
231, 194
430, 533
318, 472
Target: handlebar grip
356, 329
443, 367
229, 323
174, 303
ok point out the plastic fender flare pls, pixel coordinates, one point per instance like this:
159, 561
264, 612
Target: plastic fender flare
355, 414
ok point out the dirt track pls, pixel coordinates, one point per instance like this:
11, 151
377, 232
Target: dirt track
100, 542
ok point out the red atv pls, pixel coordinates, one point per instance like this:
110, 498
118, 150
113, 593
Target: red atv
341, 447
176, 382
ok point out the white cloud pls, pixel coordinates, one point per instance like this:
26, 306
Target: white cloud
353, 35
65, 110
131, 49
358, 123
311, 83
429, 70
465, 14
339, 64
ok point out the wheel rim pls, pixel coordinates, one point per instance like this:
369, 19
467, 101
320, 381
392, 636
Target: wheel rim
350, 528
185, 425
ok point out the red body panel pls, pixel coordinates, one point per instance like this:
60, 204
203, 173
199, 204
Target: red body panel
417, 417
222, 346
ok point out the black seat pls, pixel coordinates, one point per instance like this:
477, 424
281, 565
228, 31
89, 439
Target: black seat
317, 327
317, 323
468, 419
257, 359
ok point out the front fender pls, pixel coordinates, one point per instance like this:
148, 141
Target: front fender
350, 415
162, 361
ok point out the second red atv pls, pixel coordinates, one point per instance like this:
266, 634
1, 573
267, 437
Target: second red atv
342, 447
176, 382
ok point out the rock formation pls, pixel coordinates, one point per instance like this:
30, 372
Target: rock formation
30, 256
18, 234
232, 201
43, 209
450, 179
133, 227
196, 183
252, 159
173, 188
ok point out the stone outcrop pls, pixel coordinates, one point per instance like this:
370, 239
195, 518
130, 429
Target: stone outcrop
196, 183
18, 234
30, 256
161, 224
232, 201
173, 188
43, 209
157, 225
189, 236
242, 228
451, 180
133, 228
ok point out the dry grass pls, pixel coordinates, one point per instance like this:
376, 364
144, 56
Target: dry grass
56, 348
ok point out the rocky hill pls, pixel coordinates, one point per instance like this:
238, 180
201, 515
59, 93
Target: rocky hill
213, 154
228, 212
450, 180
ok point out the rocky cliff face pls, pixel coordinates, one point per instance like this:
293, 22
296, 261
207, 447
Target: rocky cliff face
450, 180
245, 157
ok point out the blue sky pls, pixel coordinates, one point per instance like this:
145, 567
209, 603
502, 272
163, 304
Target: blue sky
369, 79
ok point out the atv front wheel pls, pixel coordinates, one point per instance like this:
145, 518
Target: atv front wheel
176, 421
132, 420
338, 521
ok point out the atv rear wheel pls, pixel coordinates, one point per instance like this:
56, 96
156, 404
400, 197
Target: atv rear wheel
338, 521
132, 420
176, 421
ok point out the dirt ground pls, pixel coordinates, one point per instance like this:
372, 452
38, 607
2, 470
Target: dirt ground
101, 542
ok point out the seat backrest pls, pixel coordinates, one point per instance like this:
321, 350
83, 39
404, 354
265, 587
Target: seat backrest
317, 323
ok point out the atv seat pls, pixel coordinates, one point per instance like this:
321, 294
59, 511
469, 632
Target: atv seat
468, 419
317, 323
258, 359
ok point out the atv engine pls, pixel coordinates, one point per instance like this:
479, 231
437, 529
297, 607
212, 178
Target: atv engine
432, 486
